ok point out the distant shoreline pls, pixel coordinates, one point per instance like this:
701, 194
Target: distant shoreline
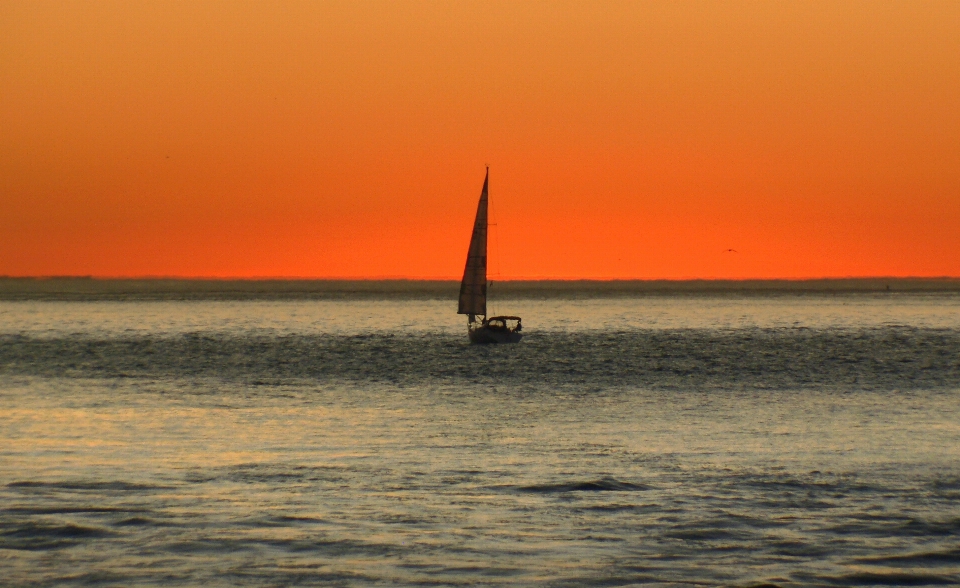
86, 288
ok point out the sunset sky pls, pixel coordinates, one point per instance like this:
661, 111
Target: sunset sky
349, 139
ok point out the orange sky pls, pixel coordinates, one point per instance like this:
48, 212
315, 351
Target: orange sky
626, 140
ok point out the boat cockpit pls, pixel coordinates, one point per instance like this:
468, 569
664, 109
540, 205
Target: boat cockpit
503, 323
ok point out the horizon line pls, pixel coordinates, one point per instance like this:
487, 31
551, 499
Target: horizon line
457, 278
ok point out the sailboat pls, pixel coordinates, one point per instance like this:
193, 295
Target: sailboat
473, 287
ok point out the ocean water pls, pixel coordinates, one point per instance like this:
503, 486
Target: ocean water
703, 440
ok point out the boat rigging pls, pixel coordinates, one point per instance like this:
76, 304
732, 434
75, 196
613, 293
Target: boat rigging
473, 287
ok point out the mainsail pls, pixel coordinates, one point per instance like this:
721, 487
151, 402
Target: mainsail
473, 288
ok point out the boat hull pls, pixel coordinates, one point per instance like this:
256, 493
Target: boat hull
486, 335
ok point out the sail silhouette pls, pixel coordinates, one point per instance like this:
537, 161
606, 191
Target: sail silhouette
473, 287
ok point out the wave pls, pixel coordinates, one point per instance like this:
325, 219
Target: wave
924, 558
37, 536
601, 485
884, 579
888, 358
83, 485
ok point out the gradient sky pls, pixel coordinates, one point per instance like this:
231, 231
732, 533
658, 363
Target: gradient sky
348, 139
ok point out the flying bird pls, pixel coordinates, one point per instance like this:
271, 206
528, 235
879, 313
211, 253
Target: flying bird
730, 251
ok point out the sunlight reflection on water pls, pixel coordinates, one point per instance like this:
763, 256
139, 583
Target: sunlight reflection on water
345, 317
790, 440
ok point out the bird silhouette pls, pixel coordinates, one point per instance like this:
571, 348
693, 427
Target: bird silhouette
730, 251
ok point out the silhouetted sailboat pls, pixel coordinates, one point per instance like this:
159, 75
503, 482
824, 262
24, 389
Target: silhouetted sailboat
473, 287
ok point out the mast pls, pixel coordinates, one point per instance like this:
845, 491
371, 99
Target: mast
473, 287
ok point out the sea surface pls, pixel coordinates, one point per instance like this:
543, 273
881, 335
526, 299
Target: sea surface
684, 439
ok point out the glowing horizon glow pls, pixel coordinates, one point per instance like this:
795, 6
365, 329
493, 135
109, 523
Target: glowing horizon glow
348, 140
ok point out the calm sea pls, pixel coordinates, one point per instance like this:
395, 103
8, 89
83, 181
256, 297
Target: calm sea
737, 439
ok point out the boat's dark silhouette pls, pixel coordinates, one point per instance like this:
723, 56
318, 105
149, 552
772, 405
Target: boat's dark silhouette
473, 287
